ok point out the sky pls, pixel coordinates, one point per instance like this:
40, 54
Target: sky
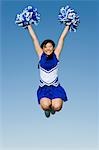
23, 125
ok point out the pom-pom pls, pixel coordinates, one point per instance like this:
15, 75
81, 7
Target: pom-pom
28, 16
69, 17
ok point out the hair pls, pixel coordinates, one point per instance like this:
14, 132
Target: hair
47, 41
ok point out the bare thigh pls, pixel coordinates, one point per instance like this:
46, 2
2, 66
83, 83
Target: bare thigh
45, 103
57, 104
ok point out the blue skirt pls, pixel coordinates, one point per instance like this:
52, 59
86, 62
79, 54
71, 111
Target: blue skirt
51, 92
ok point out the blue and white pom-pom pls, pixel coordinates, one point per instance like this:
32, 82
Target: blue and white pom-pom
69, 17
28, 16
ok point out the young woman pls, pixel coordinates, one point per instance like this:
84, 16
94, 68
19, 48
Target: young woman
51, 94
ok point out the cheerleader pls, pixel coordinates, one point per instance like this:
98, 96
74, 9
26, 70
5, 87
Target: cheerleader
50, 93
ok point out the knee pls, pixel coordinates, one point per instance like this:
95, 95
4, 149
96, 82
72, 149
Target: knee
57, 107
45, 105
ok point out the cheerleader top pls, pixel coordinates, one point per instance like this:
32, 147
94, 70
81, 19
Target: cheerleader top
48, 66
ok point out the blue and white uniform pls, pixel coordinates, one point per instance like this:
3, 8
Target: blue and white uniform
49, 84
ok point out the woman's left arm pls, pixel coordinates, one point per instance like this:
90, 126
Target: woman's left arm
61, 41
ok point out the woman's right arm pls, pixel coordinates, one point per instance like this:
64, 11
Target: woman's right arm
35, 41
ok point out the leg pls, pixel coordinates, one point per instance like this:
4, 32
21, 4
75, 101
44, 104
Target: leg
57, 104
45, 103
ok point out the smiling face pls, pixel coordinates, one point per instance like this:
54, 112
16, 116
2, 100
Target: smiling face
48, 48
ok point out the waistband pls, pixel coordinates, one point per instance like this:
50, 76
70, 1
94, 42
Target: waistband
54, 83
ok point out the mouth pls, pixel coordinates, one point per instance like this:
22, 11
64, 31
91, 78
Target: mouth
48, 51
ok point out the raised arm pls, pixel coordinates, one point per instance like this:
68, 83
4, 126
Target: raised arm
61, 41
35, 40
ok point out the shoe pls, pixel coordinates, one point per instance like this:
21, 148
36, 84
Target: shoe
52, 111
47, 113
